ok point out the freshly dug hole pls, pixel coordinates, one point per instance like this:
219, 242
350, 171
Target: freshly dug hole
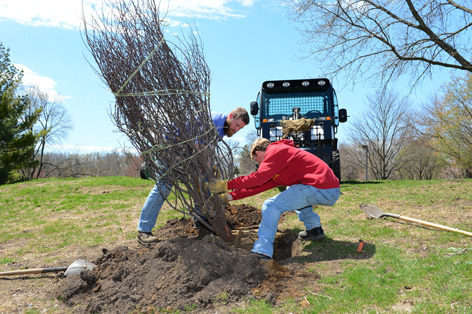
244, 221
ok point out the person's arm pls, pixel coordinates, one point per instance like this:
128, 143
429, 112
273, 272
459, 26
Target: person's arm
243, 193
273, 163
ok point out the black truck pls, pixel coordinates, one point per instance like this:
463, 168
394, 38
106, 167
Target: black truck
313, 99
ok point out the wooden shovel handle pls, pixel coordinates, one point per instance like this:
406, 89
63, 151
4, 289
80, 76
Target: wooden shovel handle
32, 271
430, 224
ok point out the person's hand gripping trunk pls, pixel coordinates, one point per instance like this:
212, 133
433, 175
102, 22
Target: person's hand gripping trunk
219, 189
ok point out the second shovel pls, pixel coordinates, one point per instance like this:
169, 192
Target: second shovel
375, 212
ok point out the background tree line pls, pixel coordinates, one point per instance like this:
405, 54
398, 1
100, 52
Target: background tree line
30, 121
61, 165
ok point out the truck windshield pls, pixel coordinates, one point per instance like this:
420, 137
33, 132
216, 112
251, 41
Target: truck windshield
280, 106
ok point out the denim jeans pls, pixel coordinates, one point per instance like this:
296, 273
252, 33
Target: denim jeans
299, 198
152, 206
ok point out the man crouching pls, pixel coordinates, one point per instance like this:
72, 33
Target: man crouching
309, 181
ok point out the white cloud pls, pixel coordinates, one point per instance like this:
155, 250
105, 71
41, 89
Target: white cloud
53, 13
211, 9
68, 13
45, 84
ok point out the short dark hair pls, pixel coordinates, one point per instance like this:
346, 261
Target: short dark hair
240, 113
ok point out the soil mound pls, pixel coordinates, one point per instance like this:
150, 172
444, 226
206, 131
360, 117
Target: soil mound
190, 270
174, 275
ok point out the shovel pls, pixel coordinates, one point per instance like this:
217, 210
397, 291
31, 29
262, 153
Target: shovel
374, 212
75, 268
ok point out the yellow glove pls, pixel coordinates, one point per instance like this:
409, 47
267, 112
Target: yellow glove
223, 197
219, 186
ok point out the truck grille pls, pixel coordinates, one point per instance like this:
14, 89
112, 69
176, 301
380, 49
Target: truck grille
282, 105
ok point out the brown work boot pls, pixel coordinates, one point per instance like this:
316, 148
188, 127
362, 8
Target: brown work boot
147, 238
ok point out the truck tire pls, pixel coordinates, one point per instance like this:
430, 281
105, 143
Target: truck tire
336, 164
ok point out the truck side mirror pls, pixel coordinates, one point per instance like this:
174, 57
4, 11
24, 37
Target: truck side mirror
342, 115
254, 108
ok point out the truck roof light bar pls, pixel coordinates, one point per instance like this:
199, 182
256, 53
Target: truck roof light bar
295, 86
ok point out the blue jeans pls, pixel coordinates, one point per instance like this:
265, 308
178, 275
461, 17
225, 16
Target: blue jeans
152, 206
299, 198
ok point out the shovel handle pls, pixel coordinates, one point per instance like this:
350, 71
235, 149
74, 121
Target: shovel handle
430, 224
32, 271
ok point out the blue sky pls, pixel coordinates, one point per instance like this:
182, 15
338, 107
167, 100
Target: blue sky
246, 42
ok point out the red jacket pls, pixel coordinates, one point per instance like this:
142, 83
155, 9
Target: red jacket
285, 165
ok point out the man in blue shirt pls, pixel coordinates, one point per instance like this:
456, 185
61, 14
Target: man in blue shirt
226, 125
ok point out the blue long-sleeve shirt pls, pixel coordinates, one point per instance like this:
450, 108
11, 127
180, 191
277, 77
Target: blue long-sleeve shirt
219, 121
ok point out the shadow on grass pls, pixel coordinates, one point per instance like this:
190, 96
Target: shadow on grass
329, 250
362, 182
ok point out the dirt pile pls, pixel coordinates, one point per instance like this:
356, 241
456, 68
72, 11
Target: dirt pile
174, 274
189, 270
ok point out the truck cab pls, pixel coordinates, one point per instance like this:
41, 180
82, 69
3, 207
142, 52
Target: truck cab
313, 99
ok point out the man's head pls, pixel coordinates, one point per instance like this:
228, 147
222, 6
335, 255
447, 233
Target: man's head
258, 149
235, 121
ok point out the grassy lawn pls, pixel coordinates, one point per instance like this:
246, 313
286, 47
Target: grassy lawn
404, 267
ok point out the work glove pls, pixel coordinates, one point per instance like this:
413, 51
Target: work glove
220, 186
223, 197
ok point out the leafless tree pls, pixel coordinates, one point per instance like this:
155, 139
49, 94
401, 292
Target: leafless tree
421, 160
384, 127
246, 164
447, 120
161, 84
53, 124
352, 162
388, 37
63, 165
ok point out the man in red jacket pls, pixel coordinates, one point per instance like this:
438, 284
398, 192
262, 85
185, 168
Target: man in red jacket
309, 182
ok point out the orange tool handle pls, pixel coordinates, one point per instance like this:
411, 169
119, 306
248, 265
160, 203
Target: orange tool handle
433, 225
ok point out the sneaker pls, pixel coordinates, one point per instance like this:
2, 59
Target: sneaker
146, 238
312, 234
260, 256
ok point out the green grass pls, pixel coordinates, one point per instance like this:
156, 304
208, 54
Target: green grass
47, 215
403, 267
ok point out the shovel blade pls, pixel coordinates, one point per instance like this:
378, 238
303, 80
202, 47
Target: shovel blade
79, 266
372, 211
